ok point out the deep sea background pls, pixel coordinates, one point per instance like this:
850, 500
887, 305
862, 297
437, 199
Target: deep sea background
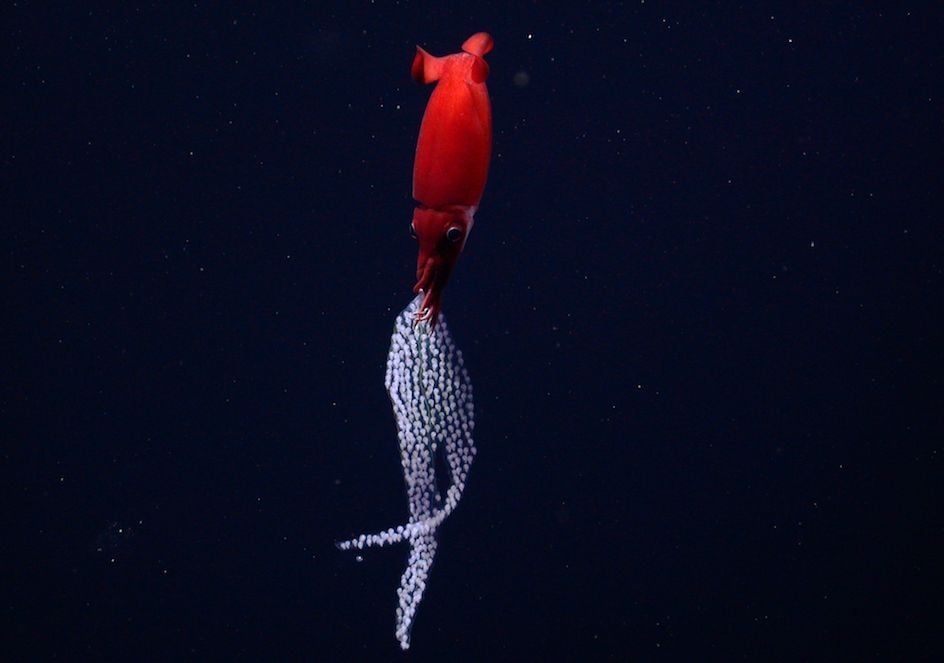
701, 308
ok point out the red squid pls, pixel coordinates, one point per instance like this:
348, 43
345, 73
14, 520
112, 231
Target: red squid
452, 156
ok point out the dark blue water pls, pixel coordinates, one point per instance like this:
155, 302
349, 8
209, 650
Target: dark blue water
700, 307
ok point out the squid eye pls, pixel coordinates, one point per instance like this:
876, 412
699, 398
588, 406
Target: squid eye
454, 234
412, 230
